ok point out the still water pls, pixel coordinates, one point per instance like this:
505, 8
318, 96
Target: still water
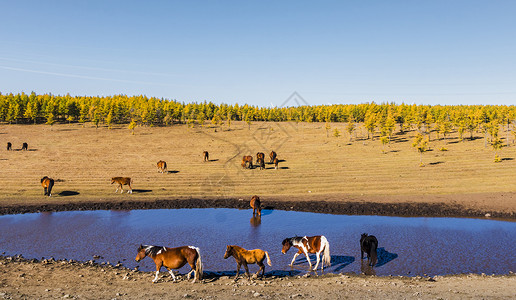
407, 246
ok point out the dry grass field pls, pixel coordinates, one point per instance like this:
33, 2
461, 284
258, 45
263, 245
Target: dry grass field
82, 159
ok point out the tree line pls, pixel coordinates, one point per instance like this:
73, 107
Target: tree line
151, 111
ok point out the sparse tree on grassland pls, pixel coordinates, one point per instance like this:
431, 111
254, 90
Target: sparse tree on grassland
327, 127
421, 144
131, 126
350, 128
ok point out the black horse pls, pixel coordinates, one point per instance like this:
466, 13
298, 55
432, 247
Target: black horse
369, 244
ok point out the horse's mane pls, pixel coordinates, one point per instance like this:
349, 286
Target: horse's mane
152, 250
293, 239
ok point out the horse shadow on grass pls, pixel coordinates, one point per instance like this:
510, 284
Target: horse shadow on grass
172, 172
210, 160
139, 191
68, 193
507, 158
436, 163
384, 256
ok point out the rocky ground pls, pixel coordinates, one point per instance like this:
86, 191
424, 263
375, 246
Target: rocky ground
25, 279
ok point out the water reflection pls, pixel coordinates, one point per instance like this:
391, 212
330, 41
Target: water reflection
414, 246
256, 221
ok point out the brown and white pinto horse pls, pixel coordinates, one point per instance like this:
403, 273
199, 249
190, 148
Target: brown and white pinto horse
121, 181
261, 164
244, 257
312, 244
247, 161
47, 183
206, 156
256, 205
272, 156
162, 166
173, 258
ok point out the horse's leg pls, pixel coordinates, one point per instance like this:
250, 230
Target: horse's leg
238, 271
317, 262
158, 267
130, 191
308, 259
294, 259
246, 270
361, 254
262, 268
172, 274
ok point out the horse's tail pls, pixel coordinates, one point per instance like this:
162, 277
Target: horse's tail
326, 255
268, 258
373, 254
198, 265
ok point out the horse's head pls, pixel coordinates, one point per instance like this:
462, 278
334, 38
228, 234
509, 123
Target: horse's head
229, 251
286, 245
141, 253
112, 180
363, 236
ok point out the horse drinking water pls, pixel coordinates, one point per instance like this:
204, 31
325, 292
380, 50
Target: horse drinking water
173, 258
244, 257
256, 205
312, 244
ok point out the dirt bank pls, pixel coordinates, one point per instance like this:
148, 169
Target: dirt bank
404, 209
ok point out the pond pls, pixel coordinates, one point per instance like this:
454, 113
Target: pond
407, 246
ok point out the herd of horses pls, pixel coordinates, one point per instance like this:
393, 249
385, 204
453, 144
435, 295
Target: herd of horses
175, 258
47, 183
247, 160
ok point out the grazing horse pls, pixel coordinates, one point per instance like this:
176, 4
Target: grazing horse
272, 156
256, 205
206, 156
162, 166
260, 155
173, 258
9, 146
369, 244
121, 181
244, 257
247, 161
261, 164
312, 244
47, 183
25, 146
276, 161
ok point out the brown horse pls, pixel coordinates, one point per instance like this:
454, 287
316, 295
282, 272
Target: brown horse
260, 155
247, 161
9, 146
162, 166
369, 244
261, 164
244, 257
25, 146
256, 205
47, 183
272, 156
312, 244
206, 156
173, 258
276, 161
121, 181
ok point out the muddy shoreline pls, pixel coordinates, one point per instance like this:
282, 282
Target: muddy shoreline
403, 209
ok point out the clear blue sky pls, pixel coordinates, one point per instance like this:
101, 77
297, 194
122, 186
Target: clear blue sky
260, 52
